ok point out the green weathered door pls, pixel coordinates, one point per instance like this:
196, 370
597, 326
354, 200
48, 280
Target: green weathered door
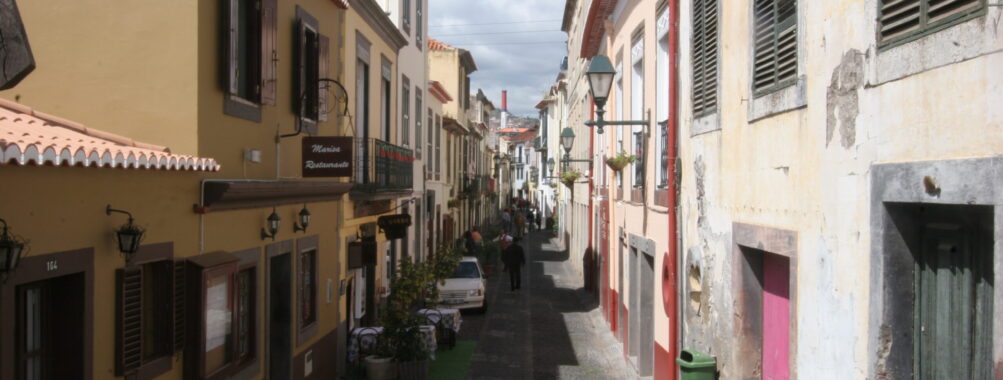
954, 290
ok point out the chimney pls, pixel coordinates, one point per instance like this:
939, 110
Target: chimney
504, 100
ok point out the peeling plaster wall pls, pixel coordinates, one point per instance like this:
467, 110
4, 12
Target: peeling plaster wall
807, 169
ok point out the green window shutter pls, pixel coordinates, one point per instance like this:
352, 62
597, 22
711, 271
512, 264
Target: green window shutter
898, 18
905, 20
775, 44
269, 54
128, 320
704, 53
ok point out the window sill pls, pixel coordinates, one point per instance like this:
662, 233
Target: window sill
662, 197
244, 109
706, 123
154, 368
780, 101
957, 43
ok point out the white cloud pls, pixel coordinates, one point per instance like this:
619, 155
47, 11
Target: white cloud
524, 67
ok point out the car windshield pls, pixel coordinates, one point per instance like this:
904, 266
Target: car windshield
467, 269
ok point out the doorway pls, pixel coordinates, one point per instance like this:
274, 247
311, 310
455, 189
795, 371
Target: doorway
776, 316
646, 315
280, 316
50, 341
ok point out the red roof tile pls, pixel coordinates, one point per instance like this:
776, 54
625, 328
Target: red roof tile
435, 44
29, 137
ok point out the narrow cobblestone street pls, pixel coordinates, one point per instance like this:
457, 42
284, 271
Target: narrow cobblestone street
550, 329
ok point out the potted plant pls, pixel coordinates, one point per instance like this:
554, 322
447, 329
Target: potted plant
620, 161
569, 178
401, 338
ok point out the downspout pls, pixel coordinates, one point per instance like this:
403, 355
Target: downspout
592, 175
671, 141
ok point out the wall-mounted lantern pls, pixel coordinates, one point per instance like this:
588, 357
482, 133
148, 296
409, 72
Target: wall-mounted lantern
600, 77
129, 235
12, 248
304, 220
273, 226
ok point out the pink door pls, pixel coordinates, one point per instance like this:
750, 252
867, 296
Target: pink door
776, 317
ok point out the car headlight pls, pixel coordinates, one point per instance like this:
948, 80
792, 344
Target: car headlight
474, 292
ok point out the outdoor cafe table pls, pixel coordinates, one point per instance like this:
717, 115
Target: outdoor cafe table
451, 317
368, 340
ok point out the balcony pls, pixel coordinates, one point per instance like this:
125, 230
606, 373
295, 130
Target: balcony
381, 169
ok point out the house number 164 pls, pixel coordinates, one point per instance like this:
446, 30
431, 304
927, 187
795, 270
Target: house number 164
51, 265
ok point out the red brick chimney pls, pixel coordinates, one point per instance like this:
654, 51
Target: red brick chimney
504, 100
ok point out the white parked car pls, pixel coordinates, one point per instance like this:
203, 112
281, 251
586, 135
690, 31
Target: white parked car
465, 288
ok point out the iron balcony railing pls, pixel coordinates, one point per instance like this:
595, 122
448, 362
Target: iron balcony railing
382, 166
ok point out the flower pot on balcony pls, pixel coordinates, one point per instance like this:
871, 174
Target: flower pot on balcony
380, 368
620, 161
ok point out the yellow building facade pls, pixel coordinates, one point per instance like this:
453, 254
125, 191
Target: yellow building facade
245, 269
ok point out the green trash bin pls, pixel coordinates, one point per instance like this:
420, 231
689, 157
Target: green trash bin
696, 365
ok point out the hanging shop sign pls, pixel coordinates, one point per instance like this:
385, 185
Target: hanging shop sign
394, 226
361, 253
325, 156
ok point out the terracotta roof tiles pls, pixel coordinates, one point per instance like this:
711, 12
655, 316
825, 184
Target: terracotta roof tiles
29, 137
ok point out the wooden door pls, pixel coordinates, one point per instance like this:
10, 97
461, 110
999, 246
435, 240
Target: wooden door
776, 317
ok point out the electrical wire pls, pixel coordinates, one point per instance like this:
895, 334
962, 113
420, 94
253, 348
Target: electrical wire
490, 33
513, 43
492, 23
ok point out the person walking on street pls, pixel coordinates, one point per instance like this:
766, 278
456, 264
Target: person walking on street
506, 218
514, 259
520, 224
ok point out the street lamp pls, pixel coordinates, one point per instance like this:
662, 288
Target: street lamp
600, 77
567, 141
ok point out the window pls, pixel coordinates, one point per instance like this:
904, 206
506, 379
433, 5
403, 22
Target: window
906, 20
217, 316
312, 64
405, 111
406, 15
250, 49
145, 317
429, 146
775, 42
417, 121
386, 101
662, 98
307, 288
438, 145
704, 53
637, 105
419, 23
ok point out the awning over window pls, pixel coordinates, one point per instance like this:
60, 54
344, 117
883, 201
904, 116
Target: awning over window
29, 137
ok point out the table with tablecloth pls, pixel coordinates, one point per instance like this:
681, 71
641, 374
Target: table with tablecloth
364, 338
451, 318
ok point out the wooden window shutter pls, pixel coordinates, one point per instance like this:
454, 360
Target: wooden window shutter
775, 44
323, 66
269, 54
179, 306
232, 49
898, 18
704, 57
128, 320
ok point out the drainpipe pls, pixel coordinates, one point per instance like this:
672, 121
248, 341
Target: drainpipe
671, 141
592, 175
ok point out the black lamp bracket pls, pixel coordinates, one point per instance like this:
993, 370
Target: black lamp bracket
108, 210
600, 122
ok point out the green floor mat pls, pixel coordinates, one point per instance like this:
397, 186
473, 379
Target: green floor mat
453, 364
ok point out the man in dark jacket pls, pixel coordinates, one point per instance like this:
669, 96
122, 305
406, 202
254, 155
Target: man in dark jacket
514, 259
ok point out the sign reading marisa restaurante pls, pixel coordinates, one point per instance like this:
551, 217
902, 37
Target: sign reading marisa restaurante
327, 156
394, 226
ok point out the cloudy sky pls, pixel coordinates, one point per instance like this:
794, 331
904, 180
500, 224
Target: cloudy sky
517, 45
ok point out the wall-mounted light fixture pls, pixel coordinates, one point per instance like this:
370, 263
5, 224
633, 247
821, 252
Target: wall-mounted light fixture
273, 226
304, 220
129, 235
600, 77
12, 248
567, 141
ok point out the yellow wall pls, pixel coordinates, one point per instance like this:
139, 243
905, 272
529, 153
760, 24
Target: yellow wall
122, 67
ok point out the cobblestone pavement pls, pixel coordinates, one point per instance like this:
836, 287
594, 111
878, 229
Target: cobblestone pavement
550, 329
